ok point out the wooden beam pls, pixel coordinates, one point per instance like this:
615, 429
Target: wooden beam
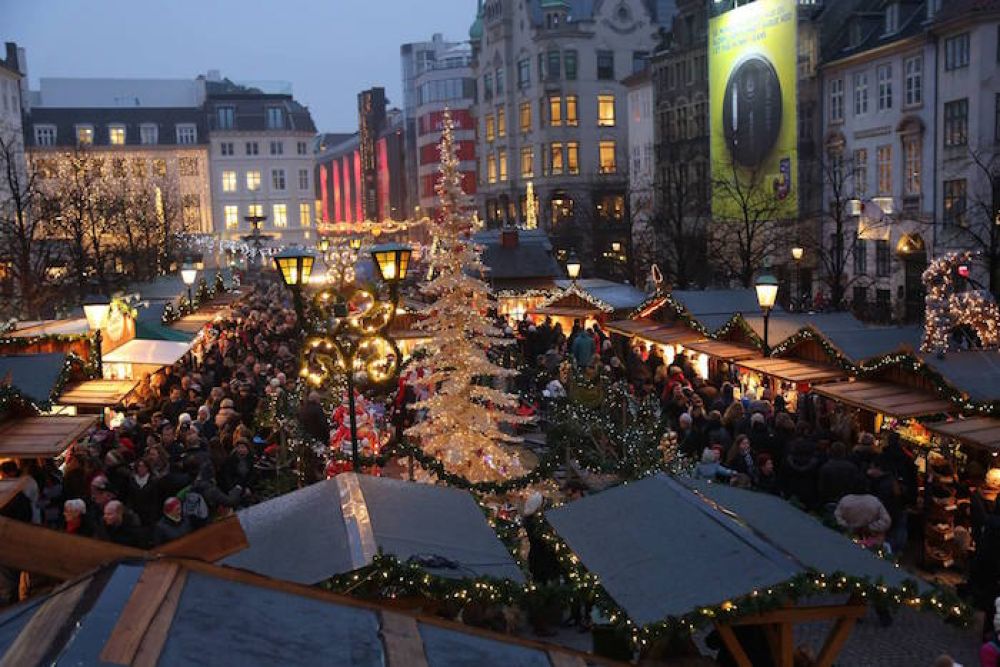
140, 609
835, 641
733, 645
35, 641
211, 543
155, 638
786, 645
802, 615
54, 554
403, 645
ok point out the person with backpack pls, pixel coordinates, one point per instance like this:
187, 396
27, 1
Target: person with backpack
173, 524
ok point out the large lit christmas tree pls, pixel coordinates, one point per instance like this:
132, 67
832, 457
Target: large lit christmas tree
465, 412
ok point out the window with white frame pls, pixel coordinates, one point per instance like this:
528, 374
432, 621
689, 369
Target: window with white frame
277, 148
275, 118
860, 93
836, 100
232, 212
116, 135
226, 148
149, 134
956, 122
300, 147
912, 164
861, 173
45, 135
255, 210
229, 181
278, 179
956, 52
884, 87
305, 215
913, 69
303, 179
883, 165
187, 133
280, 215
253, 180
252, 148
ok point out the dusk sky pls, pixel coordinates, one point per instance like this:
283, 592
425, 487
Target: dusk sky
328, 49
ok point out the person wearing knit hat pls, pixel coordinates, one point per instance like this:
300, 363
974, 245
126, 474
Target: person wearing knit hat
173, 524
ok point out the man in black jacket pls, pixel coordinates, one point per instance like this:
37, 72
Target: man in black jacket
313, 419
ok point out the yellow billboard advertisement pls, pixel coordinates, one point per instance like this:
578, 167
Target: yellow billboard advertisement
754, 125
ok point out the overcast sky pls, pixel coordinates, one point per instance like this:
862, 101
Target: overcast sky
328, 49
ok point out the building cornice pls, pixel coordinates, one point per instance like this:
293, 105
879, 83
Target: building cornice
876, 53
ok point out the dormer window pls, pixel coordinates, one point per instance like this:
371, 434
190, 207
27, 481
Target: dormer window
892, 18
854, 34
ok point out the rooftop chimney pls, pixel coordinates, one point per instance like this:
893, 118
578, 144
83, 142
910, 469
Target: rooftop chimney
508, 237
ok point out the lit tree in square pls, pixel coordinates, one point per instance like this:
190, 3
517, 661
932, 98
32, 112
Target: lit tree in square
465, 412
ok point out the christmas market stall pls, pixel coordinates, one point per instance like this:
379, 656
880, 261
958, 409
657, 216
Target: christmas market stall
342, 524
737, 559
93, 396
138, 356
521, 269
591, 300
156, 612
41, 437
789, 378
38, 378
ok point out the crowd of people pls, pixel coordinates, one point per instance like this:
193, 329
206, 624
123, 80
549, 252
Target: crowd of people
185, 448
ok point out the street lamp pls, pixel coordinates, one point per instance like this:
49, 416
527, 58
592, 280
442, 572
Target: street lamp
354, 339
797, 253
295, 265
573, 266
188, 275
96, 309
767, 293
324, 244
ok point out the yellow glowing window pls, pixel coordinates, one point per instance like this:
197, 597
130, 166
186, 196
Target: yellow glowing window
503, 165
501, 122
305, 215
229, 181
608, 165
253, 181
525, 116
232, 217
573, 158
555, 111
85, 135
491, 168
558, 163
491, 132
255, 210
280, 215
117, 135
606, 110
527, 162
572, 119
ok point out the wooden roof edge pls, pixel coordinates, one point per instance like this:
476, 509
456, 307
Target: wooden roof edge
14, 487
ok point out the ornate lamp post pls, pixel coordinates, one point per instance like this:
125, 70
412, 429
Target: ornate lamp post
96, 309
797, 253
295, 265
767, 293
353, 339
573, 266
188, 275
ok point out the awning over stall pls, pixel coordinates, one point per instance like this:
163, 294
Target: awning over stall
887, 398
655, 332
41, 437
721, 349
96, 393
793, 370
977, 431
150, 352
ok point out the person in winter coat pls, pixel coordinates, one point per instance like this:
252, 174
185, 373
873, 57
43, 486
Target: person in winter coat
742, 458
710, 469
239, 469
206, 486
800, 473
838, 476
716, 433
120, 525
583, 349
172, 525
313, 419
143, 494
74, 517
863, 516
884, 486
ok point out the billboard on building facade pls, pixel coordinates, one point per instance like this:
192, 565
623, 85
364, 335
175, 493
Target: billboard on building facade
752, 66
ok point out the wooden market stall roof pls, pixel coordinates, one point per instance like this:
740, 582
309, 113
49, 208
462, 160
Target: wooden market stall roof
793, 370
97, 393
721, 349
655, 332
41, 437
887, 398
976, 431
152, 352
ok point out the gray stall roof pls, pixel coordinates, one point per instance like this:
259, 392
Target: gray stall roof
176, 613
660, 550
617, 295
33, 375
717, 302
974, 372
872, 342
305, 536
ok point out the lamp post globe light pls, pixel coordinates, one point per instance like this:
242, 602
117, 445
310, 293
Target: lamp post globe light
797, 254
767, 294
355, 243
573, 266
295, 265
96, 309
189, 274
324, 244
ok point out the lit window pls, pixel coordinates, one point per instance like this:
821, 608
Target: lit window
305, 215
954, 202
501, 122
573, 158
571, 118
149, 134
229, 181
491, 132
555, 111
606, 110
253, 181
278, 179
280, 215
277, 148
45, 135
187, 133
527, 162
303, 179
525, 116
883, 164
491, 168
255, 211
84, 135
116, 135
608, 164
557, 158
232, 216
956, 122
502, 162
